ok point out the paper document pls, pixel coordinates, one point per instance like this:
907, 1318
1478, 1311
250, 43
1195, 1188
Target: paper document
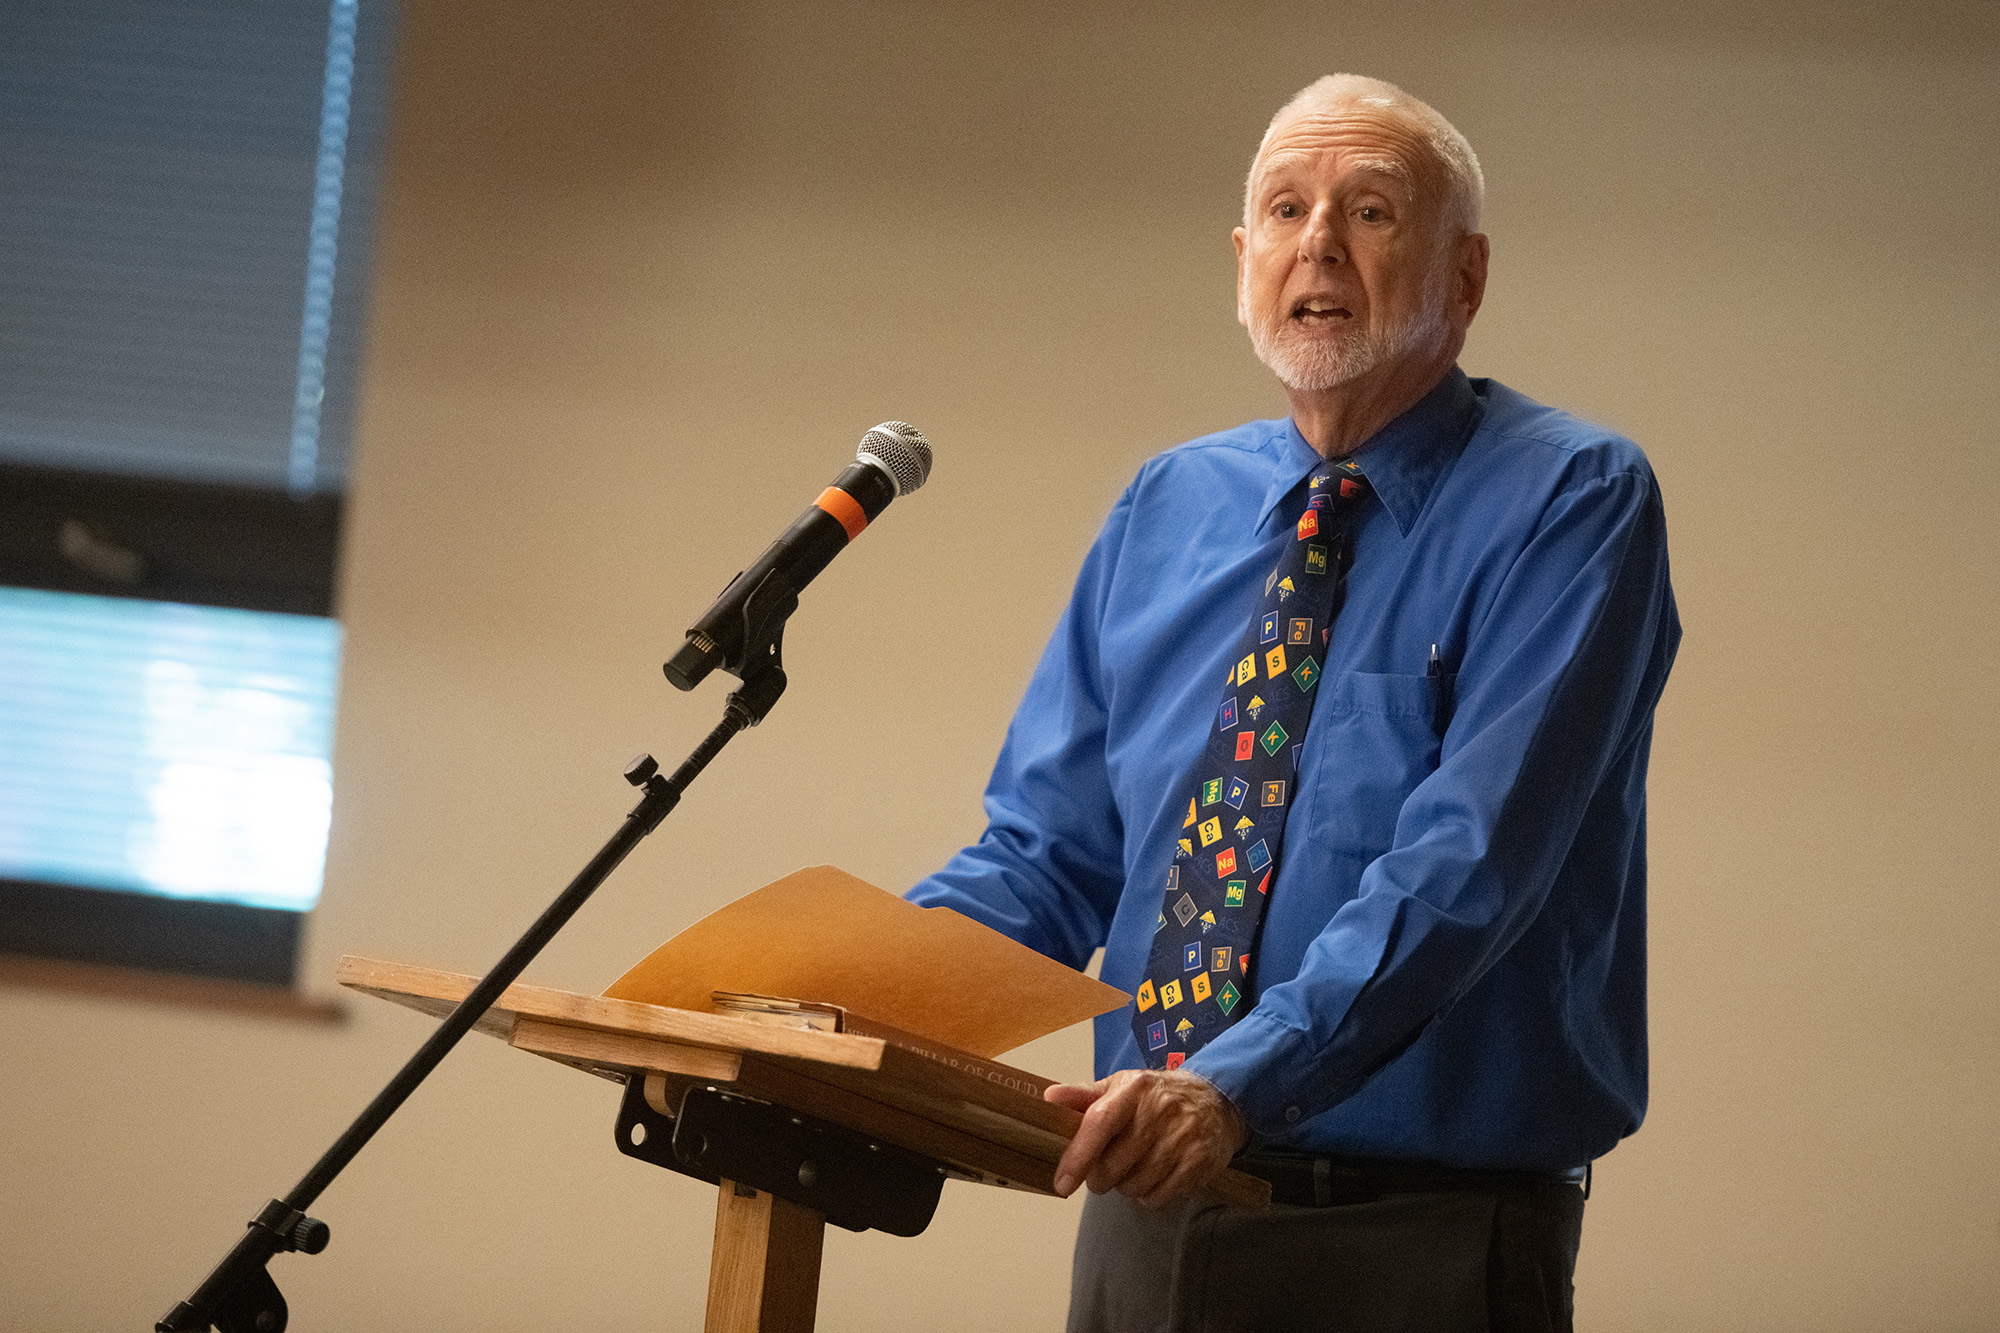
821, 934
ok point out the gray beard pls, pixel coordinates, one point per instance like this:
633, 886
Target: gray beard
1307, 363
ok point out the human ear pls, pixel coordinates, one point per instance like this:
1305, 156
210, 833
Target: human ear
1238, 238
1473, 253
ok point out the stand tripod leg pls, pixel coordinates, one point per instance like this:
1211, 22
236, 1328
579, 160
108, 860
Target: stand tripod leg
764, 1274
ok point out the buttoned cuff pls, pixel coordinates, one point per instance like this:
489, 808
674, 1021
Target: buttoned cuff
1264, 1068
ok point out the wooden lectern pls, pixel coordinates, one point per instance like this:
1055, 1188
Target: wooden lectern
905, 1112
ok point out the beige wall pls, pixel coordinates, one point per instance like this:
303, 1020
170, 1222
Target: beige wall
647, 273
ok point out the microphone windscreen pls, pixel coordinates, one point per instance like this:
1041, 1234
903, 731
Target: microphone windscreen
900, 450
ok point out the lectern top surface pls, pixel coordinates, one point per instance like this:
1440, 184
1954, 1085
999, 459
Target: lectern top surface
435, 992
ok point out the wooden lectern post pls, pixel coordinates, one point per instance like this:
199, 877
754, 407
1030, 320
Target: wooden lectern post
764, 1276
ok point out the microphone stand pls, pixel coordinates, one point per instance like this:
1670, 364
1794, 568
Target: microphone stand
239, 1296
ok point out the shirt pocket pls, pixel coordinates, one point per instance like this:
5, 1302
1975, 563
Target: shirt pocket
1373, 739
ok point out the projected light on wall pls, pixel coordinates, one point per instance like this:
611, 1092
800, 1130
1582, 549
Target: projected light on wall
166, 749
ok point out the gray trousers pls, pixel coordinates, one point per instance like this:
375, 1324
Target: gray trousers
1476, 1262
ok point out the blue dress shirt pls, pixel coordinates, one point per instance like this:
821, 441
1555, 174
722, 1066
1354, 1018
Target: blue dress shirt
1452, 962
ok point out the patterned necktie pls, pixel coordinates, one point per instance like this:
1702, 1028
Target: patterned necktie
1199, 966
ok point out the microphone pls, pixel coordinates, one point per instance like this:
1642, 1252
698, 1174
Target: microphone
894, 459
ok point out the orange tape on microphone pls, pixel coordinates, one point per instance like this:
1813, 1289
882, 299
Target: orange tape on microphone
845, 508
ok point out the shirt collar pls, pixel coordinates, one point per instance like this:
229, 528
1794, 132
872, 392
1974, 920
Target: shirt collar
1402, 461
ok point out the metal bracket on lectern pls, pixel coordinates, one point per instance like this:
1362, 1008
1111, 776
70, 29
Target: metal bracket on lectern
852, 1180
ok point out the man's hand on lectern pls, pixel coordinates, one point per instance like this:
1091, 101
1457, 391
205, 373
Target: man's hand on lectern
1157, 1135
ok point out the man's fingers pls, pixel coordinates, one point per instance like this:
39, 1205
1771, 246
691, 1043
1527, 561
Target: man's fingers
1156, 1137
1152, 1142
1108, 1114
1076, 1096
1176, 1151
1188, 1174
1114, 1166
1146, 1174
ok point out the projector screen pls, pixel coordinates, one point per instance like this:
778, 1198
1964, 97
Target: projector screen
160, 748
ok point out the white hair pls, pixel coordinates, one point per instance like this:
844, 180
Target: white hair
1464, 185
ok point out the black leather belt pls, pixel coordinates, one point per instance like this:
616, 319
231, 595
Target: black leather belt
1324, 1182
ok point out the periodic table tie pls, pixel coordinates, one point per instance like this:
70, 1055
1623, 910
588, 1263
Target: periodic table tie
1242, 787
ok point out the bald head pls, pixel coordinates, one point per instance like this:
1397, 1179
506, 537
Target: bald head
1449, 181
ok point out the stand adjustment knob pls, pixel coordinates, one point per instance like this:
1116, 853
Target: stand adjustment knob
292, 1228
310, 1235
641, 769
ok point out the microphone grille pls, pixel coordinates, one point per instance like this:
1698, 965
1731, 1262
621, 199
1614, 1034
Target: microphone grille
900, 450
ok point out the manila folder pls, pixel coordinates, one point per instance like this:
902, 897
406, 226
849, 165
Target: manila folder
821, 934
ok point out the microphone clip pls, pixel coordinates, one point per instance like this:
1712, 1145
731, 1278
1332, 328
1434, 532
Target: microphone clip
749, 647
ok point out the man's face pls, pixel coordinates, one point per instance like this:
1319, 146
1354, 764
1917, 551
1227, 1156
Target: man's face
1340, 271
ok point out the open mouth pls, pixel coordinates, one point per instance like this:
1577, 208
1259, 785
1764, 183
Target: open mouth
1315, 311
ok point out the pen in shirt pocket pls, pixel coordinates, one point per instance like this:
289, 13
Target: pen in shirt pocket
1441, 701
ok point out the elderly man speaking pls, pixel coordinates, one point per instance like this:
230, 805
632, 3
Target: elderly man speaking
1339, 751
